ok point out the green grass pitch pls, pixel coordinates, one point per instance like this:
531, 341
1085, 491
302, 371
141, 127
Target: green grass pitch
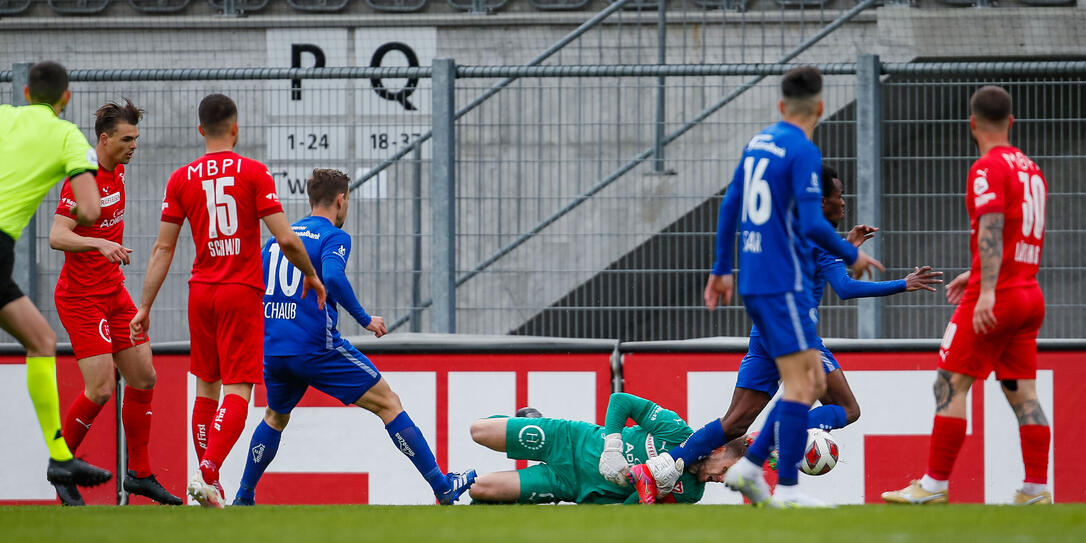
552, 524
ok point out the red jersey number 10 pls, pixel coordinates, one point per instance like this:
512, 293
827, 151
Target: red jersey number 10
222, 209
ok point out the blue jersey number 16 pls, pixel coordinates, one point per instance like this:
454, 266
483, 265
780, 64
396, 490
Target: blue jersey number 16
288, 282
757, 199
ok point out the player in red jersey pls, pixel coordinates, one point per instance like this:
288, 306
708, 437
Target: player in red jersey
91, 301
1000, 309
224, 196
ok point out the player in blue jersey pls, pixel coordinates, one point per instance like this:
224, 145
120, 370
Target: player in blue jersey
303, 348
759, 378
775, 199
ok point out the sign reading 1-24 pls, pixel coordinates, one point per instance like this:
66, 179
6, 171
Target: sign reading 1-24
307, 142
304, 142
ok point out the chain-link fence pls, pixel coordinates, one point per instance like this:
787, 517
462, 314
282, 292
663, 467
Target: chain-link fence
565, 223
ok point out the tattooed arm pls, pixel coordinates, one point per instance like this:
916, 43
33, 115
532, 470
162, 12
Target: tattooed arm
990, 247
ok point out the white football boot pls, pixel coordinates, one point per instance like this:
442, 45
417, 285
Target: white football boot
205, 494
787, 497
746, 477
914, 494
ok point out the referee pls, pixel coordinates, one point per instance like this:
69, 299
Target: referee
38, 150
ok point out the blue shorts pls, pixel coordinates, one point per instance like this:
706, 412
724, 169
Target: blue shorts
788, 322
758, 371
342, 373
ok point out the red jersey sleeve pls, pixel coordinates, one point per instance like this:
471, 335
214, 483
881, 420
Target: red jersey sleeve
267, 199
67, 200
988, 184
171, 202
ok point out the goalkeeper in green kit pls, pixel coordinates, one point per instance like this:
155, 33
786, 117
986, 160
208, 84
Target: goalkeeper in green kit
586, 463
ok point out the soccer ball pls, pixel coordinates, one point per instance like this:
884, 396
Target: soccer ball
821, 454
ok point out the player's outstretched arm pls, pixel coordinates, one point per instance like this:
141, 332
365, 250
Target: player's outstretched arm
88, 207
294, 250
62, 237
333, 271
846, 287
157, 268
922, 278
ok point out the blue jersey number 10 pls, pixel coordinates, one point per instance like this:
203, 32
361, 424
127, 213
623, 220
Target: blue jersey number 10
288, 282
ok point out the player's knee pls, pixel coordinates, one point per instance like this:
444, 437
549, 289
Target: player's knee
42, 342
388, 405
479, 431
852, 412
278, 421
100, 393
484, 490
478, 491
145, 380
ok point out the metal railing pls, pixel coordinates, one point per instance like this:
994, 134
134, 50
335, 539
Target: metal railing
547, 231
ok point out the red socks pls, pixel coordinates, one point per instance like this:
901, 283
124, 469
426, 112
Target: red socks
203, 410
136, 417
78, 420
947, 436
1035, 440
225, 431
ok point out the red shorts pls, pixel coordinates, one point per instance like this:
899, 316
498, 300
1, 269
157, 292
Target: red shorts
226, 329
1010, 349
90, 319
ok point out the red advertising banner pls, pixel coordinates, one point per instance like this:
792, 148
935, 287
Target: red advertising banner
325, 442
888, 445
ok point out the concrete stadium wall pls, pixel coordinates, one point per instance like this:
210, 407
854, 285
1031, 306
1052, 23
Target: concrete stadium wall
350, 115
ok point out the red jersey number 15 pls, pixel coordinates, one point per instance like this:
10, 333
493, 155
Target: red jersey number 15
222, 209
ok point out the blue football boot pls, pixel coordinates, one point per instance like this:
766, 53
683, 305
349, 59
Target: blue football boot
459, 483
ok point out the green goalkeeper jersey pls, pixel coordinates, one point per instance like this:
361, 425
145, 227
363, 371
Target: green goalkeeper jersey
656, 432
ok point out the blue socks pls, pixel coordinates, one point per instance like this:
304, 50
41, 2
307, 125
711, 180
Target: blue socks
262, 449
827, 417
407, 437
759, 450
700, 443
792, 436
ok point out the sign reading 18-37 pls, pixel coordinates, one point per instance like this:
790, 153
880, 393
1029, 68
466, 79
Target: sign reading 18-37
342, 123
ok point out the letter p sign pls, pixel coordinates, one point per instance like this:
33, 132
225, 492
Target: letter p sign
296, 50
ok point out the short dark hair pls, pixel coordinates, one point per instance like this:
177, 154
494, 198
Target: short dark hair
324, 185
111, 114
217, 112
801, 82
828, 175
991, 103
47, 82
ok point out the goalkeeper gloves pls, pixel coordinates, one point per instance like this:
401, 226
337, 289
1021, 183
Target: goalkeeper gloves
613, 464
666, 471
